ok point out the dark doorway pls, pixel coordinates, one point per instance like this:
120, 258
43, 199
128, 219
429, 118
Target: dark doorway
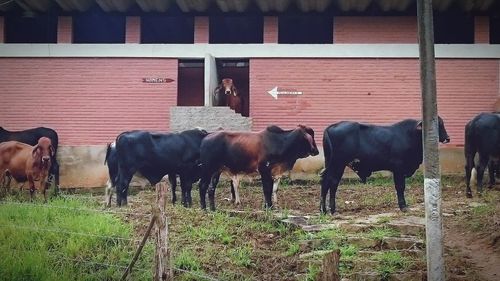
238, 71
191, 83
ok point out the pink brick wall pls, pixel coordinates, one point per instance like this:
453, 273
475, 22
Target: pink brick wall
64, 30
375, 30
270, 29
133, 30
86, 100
201, 30
482, 30
379, 91
2, 30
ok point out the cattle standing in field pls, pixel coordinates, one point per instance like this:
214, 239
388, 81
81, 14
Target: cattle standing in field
226, 94
111, 161
368, 148
29, 163
155, 155
31, 137
270, 152
482, 136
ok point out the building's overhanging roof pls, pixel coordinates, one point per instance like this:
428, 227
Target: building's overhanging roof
241, 5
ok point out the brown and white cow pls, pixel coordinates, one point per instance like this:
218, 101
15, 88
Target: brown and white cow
226, 94
270, 152
29, 163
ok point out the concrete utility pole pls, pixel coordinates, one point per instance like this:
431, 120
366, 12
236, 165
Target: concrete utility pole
430, 138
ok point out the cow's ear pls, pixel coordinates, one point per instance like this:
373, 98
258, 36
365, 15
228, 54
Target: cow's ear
35, 153
419, 125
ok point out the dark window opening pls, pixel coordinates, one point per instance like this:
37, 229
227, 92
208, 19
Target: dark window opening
453, 29
165, 29
494, 29
31, 28
237, 70
305, 29
191, 87
96, 26
236, 29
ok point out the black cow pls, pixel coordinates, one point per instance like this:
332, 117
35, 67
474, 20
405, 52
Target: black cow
111, 161
155, 155
482, 136
31, 137
270, 152
368, 148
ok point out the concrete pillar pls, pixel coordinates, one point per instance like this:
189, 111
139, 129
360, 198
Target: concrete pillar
482, 30
270, 29
201, 30
65, 30
2, 30
133, 30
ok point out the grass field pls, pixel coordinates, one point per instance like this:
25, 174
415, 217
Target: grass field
66, 239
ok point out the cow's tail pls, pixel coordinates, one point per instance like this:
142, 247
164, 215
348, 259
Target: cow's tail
327, 149
108, 152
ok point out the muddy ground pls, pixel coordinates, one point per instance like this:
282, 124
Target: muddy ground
471, 227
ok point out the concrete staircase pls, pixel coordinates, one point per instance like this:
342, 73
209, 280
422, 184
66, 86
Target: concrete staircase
400, 236
209, 118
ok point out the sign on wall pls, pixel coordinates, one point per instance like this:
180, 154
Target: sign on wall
156, 80
276, 91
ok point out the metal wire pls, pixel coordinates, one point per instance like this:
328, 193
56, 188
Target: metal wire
74, 209
196, 274
67, 232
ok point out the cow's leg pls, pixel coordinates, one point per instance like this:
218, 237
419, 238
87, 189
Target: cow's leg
211, 190
267, 186
203, 186
108, 194
32, 187
186, 185
330, 180
235, 189
54, 173
399, 182
483, 162
469, 164
491, 173
172, 179
122, 184
275, 190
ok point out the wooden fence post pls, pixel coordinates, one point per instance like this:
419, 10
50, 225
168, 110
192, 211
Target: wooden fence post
163, 271
330, 267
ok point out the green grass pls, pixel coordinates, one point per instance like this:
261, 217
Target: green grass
380, 233
61, 240
312, 272
390, 262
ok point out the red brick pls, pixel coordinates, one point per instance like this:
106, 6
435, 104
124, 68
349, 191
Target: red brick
378, 91
482, 30
201, 30
133, 30
64, 30
2, 30
88, 101
270, 29
375, 30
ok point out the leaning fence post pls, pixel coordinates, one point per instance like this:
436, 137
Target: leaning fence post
162, 265
139, 250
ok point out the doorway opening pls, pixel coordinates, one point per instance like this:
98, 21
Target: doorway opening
238, 71
190, 87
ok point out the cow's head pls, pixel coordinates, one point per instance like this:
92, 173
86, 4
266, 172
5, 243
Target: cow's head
228, 87
308, 137
443, 135
43, 151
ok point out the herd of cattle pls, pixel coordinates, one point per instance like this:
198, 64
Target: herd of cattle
197, 155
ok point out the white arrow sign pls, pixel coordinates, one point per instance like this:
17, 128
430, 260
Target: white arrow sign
275, 92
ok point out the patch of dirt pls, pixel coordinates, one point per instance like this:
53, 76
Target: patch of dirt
469, 255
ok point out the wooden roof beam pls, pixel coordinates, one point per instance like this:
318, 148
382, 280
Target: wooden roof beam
153, 5
313, 5
34, 5
75, 5
194, 5
115, 5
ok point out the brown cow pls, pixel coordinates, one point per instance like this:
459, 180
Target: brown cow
226, 94
29, 163
271, 152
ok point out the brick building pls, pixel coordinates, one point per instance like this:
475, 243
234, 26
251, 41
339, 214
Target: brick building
92, 69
